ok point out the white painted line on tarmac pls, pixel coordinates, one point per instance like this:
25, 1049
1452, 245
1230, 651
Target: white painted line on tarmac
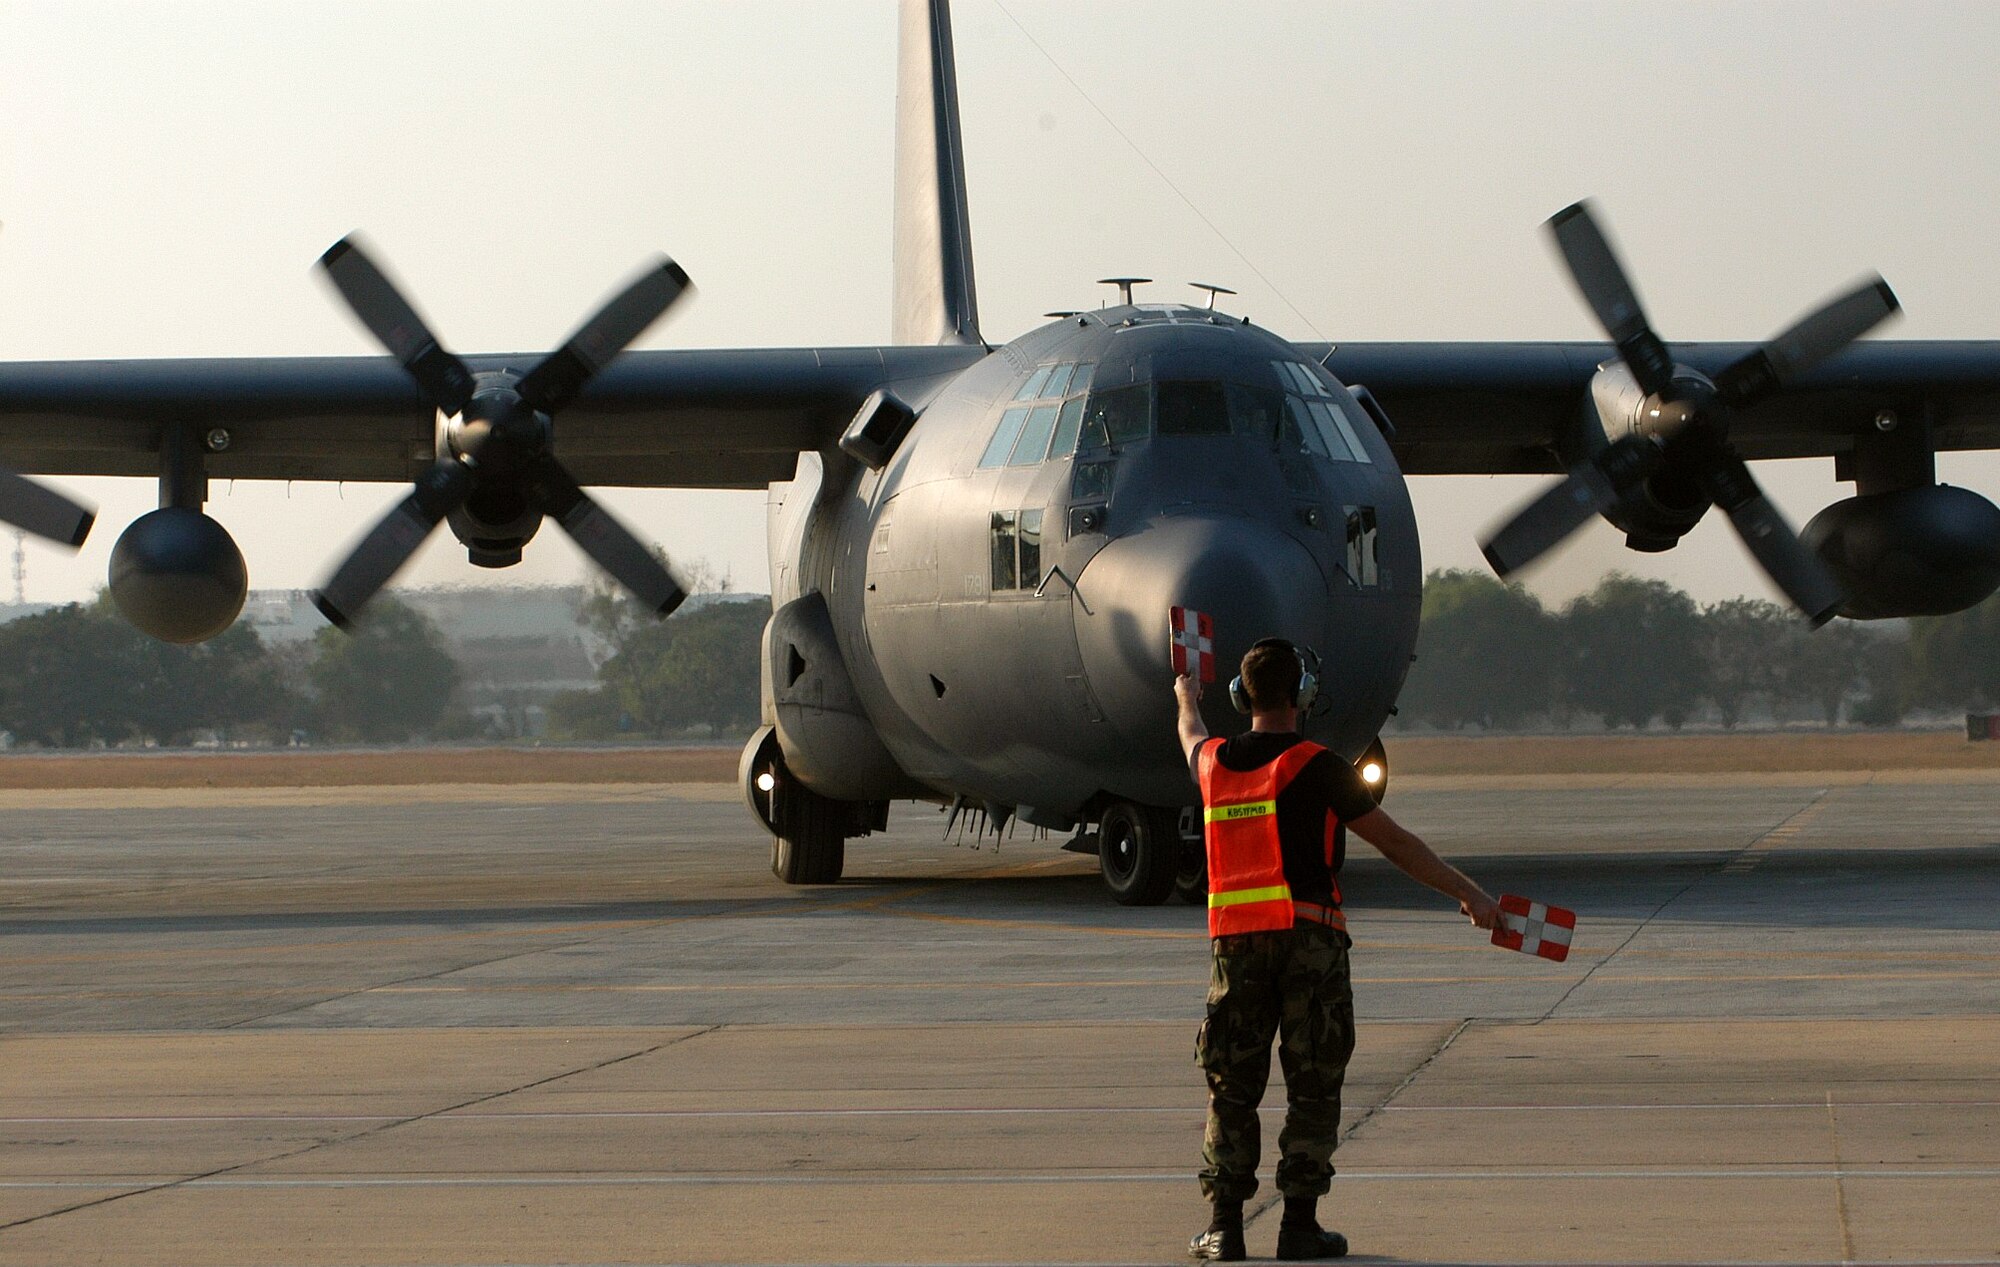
814, 1181
986, 1111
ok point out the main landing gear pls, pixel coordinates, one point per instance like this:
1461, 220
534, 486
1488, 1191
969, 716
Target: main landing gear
1143, 857
808, 831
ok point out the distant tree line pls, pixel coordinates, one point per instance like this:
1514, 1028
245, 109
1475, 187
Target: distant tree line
657, 679
1634, 652
79, 676
1628, 653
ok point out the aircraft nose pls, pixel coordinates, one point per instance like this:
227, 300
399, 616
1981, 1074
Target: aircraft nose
1251, 579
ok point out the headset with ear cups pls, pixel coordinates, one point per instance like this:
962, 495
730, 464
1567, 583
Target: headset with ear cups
1302, 697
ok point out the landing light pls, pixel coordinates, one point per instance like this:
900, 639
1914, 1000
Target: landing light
766, 781
1371, 773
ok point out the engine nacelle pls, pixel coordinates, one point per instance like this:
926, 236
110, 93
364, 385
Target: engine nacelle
494, 528
1924, 551
176, 574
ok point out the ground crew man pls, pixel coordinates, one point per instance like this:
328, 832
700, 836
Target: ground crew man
1272, 804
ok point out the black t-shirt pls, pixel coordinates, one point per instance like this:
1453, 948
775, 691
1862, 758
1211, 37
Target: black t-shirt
1327, 783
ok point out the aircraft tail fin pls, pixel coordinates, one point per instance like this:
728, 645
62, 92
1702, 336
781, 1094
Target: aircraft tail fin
933, 255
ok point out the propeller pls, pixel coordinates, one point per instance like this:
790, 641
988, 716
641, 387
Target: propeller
37, 508
503, 440
1692, 443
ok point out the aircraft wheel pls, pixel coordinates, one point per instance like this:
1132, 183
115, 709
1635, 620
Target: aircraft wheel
1191, 876
1138, 851
810, 844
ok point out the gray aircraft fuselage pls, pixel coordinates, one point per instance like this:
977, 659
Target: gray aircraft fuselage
999, 589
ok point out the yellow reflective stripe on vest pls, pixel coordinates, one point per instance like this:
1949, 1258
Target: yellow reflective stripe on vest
1248, 809
1237, 897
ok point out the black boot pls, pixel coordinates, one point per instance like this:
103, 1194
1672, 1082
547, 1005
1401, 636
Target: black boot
1309, 1242
1223, 1241
1300, 1237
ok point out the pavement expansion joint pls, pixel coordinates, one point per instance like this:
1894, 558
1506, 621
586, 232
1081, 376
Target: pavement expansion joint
219, 1173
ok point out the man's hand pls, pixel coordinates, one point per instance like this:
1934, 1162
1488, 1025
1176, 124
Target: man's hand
1187, 690
1481, 910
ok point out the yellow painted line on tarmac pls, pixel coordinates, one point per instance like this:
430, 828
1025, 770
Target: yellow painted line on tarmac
821, 986
1044, 926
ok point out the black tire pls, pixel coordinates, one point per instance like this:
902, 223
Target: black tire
1138, 850
810, 846
1191, 876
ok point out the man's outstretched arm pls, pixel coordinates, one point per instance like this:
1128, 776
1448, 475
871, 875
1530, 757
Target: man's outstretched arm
1418, 861
1187, 690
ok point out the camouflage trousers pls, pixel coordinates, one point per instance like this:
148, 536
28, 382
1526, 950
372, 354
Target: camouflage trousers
1292, 986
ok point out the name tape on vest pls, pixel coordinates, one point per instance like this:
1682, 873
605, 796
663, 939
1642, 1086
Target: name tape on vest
1534, 928
1229, 813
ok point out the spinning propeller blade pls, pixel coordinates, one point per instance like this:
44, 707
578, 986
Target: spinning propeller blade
390, 318
37, 508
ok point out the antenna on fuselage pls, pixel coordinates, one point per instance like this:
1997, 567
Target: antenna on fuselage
1124, 285
1213, 291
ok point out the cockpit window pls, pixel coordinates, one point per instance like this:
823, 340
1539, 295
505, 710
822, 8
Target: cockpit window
1254, 411
1032, 389
1118, 416
1056, 418
1002, 445
1191, 409
1319, 419
1033, 445
1030, 433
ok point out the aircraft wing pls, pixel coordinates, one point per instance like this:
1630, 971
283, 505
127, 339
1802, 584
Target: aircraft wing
678, 419
1496, 408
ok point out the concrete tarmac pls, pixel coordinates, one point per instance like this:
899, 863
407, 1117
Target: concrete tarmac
584, 1025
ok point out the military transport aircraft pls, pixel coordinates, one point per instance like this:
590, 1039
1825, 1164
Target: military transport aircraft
974, 546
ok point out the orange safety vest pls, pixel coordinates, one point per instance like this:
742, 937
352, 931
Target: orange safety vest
1247, 892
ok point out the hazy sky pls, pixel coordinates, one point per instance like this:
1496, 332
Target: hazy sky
169, 172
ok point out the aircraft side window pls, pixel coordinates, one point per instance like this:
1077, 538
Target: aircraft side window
1254, 411
1363, 568
1058, 382
1002, 445
1191, 409
1031, 549
1118, 416
1329, 434
1017, 549
1005, 577
1034, 443
1032, 389
1066, 427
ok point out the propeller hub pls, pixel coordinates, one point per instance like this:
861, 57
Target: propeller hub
498, 432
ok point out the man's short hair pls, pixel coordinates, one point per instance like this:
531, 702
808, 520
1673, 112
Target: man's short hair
1271, 672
